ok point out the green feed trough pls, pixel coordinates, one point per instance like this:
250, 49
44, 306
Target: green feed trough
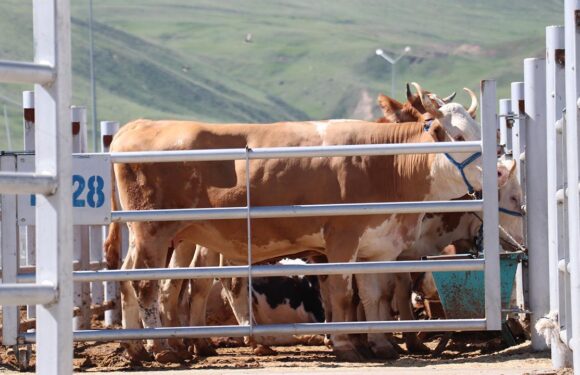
462, 293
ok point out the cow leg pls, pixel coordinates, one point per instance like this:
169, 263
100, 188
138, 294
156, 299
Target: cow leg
403, 291
236, 291
130, 316
150, 242
341, 248
170, 291
200, 290
375, 292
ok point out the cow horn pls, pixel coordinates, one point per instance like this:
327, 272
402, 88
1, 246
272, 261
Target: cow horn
449, 98
409, 94
436, 99
426, 101
472, 110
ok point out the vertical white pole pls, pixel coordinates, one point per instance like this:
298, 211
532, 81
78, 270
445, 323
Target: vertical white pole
112, 291
518, 143
572, 10
555, 91
10, 254
505, 125
536, 193
52, 43
519, 127
29, 230
489, 122
82, 291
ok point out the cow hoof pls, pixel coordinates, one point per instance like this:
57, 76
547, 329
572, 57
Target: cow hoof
167, 356
184, 355
365, 352
418, 348
136, 352
328, 341
386, 353
203, 350
264, 350
348, 355
177, 345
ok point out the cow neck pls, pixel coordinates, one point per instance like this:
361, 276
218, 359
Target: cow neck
406, 175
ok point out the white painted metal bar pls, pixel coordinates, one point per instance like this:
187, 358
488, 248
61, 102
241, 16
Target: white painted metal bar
489, 121
555, 88
294, 152
249, 240
505, 125
25, 72
18, 294
280, 270
27, 183
572, 44
29, 145
536, 193
10, 255
52, 41
518, 143
277, 329
519, 128
82, 291
297, 211
95, 232
112, 291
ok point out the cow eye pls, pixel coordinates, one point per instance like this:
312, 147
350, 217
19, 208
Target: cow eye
459, 138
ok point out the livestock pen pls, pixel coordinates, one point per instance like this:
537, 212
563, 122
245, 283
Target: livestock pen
536, 106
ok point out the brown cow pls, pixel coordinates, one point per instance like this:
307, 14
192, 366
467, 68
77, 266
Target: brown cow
356, 179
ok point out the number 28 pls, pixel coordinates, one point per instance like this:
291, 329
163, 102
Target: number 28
94, 197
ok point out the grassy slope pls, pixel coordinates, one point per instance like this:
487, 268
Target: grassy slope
307, 59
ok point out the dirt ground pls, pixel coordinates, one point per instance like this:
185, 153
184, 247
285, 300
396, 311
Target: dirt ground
462, 352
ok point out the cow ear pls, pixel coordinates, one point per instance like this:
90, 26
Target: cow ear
409, 114
437, 132
391, 108
512, 168
503, 175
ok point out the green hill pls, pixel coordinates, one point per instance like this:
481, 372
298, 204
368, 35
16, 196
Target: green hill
261, 61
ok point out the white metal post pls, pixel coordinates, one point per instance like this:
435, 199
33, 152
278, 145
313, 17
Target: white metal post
505, 125
572, 9
536, 193
95, 233
519, 128
518, 145
28, 109
489, 121
29, 230
82, 292
52, 43
555, 90
112, 291
10, 254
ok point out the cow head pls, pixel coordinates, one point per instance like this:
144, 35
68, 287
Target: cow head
453, 123
410, 111
510, 202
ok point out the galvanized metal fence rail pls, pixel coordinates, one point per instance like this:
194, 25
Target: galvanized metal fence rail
489, 206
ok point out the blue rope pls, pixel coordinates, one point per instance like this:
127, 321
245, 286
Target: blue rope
461, 166
510, 212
